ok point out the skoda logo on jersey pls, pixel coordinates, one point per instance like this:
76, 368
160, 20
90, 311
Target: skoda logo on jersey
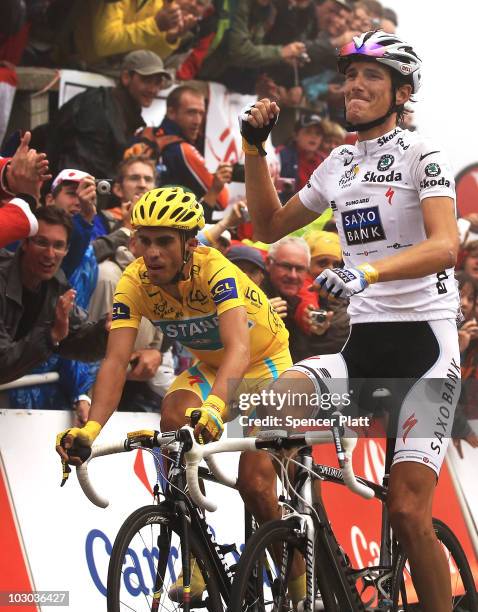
384, 139
432, 169
385, 162
392, 177
363, 225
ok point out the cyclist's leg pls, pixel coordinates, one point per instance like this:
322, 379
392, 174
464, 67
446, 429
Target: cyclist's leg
410, 498
257, 477
424, 429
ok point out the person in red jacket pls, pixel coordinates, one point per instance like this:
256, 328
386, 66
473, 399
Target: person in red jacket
21, 177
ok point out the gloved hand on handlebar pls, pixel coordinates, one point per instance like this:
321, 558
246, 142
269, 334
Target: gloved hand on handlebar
255, 123
74, 445
210, 424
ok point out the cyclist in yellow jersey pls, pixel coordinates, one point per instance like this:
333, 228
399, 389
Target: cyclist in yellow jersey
206, 303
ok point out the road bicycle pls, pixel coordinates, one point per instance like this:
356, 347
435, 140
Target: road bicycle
172, 535
304, 536
176, 527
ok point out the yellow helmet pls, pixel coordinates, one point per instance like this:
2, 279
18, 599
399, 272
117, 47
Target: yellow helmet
168, 207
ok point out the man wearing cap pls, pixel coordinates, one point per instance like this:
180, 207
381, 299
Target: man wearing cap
300, 158
250, 261
92, 130
74, 191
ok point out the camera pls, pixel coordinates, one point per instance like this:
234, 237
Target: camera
303, 58
103, 186
238, 173
318, 316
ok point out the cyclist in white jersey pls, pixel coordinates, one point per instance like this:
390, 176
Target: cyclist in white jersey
393, 200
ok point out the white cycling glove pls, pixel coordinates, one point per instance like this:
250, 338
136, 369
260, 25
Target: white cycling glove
344, 282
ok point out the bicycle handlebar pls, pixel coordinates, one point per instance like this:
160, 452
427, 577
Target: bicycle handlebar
198, 452
82, 470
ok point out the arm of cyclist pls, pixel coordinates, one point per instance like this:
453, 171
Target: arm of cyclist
234, 334
270, 219
106, 394
437, 252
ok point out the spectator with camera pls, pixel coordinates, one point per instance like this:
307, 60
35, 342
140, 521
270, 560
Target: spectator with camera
286, 285
74, 191
38, 315
175, 146
244, 54
332, 327
320, 28
92, 130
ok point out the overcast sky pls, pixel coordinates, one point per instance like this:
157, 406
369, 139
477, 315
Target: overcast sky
444, 34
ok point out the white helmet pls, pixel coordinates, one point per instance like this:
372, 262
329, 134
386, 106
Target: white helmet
387, 49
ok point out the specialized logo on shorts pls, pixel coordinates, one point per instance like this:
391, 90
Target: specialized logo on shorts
385, 162
121, 311
363, 225
223, 290
432, 169
348, 176
408, 426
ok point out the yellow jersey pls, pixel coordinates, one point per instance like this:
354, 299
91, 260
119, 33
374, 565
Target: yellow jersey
215, 286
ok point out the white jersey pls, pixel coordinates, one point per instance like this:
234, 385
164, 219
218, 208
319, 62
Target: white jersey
374, 189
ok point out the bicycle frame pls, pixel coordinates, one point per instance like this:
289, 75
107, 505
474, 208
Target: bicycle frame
192, 518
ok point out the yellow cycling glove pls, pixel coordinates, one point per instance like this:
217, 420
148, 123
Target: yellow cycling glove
83, 438
211, 420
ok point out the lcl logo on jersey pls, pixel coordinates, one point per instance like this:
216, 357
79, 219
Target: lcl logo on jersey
385, 162
364, 225
121, 311
223, 290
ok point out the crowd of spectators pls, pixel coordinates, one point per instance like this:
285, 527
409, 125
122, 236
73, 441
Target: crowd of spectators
283, 48
76, 237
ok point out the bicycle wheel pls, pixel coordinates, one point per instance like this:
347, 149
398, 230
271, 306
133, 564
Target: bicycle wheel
463, 589
273, 557
146, 557
260, 583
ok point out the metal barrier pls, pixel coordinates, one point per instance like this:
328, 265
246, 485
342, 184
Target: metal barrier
30, 380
